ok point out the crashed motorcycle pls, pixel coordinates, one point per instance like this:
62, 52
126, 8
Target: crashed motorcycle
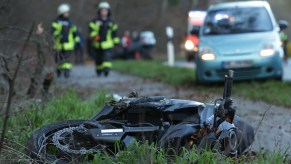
171, 124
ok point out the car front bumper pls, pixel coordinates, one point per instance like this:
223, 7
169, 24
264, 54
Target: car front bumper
245, 68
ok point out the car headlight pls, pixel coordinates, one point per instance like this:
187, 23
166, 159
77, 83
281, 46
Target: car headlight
267, 51
189, 45
207, 54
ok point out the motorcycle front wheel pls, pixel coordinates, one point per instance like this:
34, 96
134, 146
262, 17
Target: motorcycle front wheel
58, 143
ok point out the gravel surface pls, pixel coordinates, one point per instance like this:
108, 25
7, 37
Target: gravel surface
272, 123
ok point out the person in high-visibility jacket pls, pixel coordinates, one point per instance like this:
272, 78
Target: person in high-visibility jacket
103, 34
284, 42
65, 35
284, 38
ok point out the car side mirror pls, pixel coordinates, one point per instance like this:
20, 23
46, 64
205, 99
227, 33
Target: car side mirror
283, 24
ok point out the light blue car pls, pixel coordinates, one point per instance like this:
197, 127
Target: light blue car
242, 36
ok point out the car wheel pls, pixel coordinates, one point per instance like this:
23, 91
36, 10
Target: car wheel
279, 78
197, 81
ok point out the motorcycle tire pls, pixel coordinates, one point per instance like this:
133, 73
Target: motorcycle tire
40, 146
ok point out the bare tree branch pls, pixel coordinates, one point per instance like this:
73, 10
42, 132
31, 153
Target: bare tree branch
3, 55
11, 88
6, 68
5, 8
14, 28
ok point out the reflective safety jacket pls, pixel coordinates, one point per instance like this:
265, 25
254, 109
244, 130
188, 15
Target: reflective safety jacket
103, 33
65, 34
283, 36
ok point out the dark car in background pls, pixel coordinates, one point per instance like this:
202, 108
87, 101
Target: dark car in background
141, 46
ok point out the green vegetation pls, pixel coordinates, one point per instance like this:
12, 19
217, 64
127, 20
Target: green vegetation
274, 92
270, 91
149, 153
155, 70
66, 107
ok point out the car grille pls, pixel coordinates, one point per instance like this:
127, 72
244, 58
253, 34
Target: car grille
242, 73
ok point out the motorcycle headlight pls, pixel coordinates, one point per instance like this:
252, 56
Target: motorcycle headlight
207, 54
267, 50
189, 45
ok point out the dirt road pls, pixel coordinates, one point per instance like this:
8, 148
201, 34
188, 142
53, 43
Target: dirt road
273, 123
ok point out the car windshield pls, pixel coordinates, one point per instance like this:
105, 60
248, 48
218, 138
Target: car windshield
237, 20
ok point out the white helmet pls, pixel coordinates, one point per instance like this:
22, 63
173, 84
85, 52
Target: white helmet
63, 8
104, 5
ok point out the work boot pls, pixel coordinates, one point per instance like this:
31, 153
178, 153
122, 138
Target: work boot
58, 72
67, 73
98, 72
106, 72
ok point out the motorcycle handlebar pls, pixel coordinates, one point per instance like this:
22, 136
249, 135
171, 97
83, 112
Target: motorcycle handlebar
226, 102
228, 84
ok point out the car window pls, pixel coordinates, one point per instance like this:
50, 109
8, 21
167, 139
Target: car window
237, 20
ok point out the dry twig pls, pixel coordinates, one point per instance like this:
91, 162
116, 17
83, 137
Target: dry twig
261, 121
11, 88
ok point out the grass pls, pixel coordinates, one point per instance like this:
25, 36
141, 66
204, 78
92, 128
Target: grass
149, 153
67, 107
270, 91
273, 92
155, 70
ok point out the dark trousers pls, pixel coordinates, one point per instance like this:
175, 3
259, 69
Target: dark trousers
63, 57
79, 53
103, 58
63, 61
